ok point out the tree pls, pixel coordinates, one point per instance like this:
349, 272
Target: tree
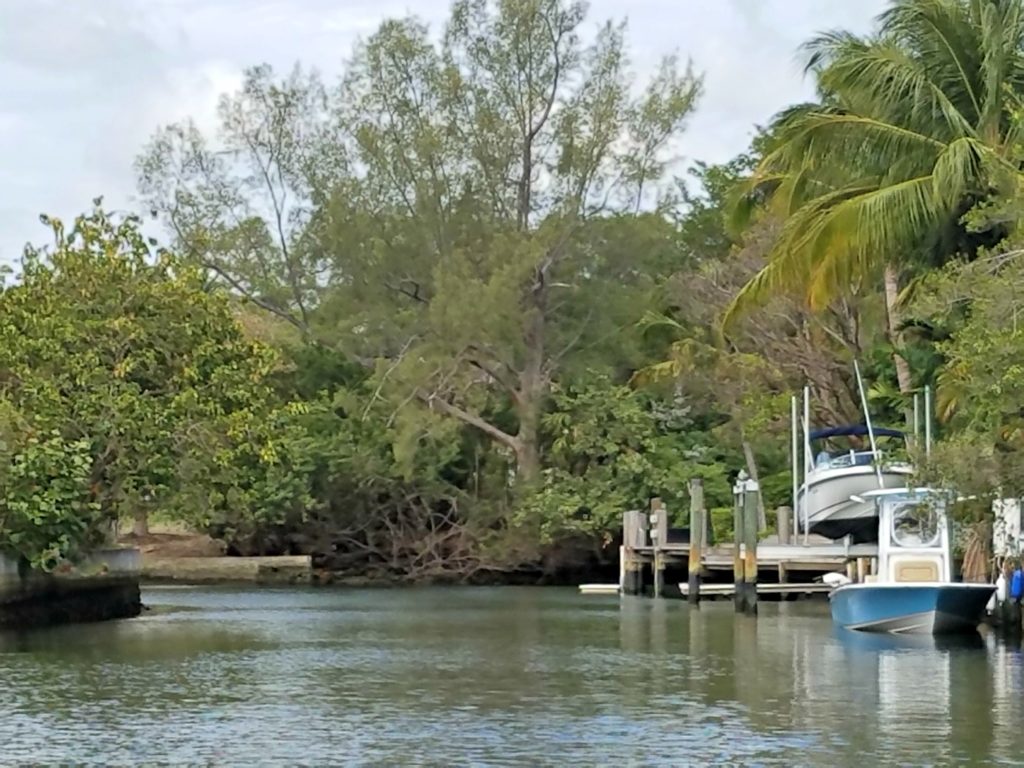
915, 124
117, 370
463, 218
242, 207
613, 448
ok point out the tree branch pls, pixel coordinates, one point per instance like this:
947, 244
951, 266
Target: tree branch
435, 402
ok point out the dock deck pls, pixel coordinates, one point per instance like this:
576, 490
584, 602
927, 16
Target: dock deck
765, 564
817, 555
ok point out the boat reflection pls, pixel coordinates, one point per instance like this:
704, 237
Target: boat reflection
874, 642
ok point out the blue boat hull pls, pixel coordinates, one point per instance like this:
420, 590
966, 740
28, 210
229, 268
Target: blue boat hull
911, 608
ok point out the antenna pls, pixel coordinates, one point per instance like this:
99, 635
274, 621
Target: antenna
795, 459
867, 420
807, 452
808, 458
927, 420
917, 417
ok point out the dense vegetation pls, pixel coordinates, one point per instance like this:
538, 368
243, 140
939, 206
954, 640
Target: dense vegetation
454, 313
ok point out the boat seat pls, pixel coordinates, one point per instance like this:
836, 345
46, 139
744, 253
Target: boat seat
916, 570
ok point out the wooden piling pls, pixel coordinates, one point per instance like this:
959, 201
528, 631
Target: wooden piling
697, 517
659, 538
738, 573
751, 500
632, 534
862, 569
783, 520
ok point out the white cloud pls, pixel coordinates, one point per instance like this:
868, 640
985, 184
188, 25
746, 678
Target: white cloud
83, 84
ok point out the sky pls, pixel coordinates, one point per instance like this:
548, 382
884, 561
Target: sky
84, 83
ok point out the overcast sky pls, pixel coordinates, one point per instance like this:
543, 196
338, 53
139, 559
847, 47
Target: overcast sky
83, 83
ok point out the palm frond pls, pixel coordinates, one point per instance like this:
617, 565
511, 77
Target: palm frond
941, 33
826, 139
866, 231
885, 81
791, 257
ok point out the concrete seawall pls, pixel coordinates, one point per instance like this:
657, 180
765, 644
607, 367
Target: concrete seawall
104, 586
293, 569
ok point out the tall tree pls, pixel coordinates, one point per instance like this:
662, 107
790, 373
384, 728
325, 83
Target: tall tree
480, 210
915, 124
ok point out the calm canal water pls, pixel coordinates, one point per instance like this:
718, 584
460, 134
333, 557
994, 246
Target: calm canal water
505, 676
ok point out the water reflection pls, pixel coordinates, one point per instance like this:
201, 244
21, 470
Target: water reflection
499, 677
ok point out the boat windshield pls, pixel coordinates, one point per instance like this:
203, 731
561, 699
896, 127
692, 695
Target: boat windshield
825, 459
915, 524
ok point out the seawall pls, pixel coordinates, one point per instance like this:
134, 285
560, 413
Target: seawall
105, 586
287, 569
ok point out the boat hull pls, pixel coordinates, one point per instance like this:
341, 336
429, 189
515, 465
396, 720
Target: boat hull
926, 608
830, 512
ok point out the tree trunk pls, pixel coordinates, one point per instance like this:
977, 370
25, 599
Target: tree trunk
527, 453
530, 399
892, 313
533, 387
141, 525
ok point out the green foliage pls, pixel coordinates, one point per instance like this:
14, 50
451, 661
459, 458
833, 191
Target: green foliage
915, 124
977, 307
612, 449
429, 193
462, 250
118, 371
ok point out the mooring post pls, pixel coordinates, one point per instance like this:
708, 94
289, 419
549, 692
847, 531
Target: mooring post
751, 516
631, 532
659, 536
696, 540
783, 518
739, 518
645, 560
862, 569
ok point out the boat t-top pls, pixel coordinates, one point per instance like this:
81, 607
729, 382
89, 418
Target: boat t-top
840, 465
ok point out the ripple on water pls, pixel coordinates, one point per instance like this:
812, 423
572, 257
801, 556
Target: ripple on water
492, 677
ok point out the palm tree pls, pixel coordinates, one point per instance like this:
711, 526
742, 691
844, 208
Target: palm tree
915, 125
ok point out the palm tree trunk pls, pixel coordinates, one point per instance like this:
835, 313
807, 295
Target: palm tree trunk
892, 313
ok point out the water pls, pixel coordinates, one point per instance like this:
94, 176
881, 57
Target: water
505, 676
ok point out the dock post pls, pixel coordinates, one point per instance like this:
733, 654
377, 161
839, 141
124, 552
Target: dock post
644, 541
696, 540
631, 532
739, 516
751, 504
862, 569
659, 537
783, 519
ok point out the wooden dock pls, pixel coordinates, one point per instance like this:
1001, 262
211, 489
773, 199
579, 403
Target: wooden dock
758, 565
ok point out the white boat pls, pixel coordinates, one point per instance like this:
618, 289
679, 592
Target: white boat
912, 589
827, 499
828, 494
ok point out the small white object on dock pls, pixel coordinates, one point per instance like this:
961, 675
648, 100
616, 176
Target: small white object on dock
599, 589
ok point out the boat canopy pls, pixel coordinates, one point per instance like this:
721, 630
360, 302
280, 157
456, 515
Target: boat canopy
853, 430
